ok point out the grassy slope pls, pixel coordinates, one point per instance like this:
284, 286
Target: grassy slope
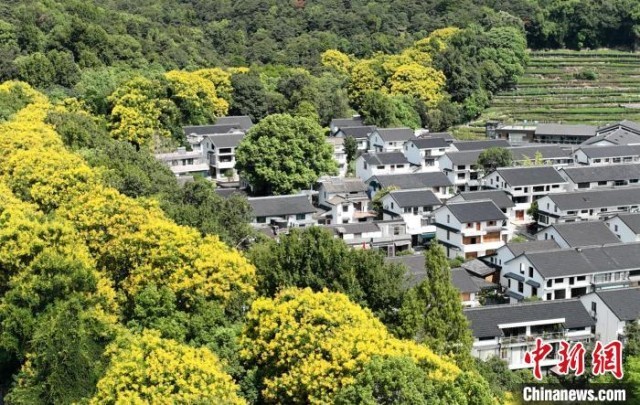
550, 92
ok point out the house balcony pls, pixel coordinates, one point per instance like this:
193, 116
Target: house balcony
530, 339
473, 232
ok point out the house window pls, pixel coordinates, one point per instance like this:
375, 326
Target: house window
583, 185
391, 204
396, 230
581, 278
530, 271
380, 167
534, 291
602, 183
448, 235
520, 287
571, 280
461, 167
300, 217
549, 283
594, 307
615, 227
603, 210
469, 224
521, 268
448, 219
509, 283
365, 165
549, 297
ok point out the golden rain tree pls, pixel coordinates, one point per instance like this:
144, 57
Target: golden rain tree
422, 82
336, 60
148, 369
196, 97
308, 345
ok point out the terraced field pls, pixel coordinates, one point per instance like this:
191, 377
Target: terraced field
587, 87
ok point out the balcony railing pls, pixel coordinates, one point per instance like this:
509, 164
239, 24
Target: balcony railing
531, 338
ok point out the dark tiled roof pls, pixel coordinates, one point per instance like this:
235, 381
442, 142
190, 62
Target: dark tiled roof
596, 199
481, 145
586, 174
499, 197
226, 140
395, 134
211, 129
624, 303
475, 211
586, 260
532, 246
616, 137
228, 192
415, 198
416, 273
611, 151
632, 221
429, 143
485, 320
346, 122
242, 121
463, 281
464, 158
526, 176
586, 233
360, 132
565, 129
478, 267
385, 158
412, 180
360, 227
281, 205
624, 124
344, 185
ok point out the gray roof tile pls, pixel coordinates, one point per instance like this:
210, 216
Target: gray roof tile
415, 198
631, 220
481, 145
532, 246
429, 143
595, 199
344, 185
412, 180
280, 205
385, 158
624, 303
485, 320
475, 211
533, 175
499, 197
396, 134
587, 174
595, 152
226, 140
566, 129
586, 233
360, 132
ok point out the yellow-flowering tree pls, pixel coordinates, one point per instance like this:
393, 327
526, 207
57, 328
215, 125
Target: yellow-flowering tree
422, 82
336, 60
148, 369
196, 97
365, 77
437, 41
308, 345
221, 79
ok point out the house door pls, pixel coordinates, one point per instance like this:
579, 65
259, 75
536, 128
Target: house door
520, 215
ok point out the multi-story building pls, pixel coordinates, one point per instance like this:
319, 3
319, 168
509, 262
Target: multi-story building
579, 234
338, 123
587, 205
499, 197
525, 185
220, 150
345, 200
435, 181
360, 134
388, 236
471, 229
510, 331
601, 176
424, 152
605, 155
283, 211
339, 154
626, 227
185, 163
389, 139
415, 207
554, 155
461, 169
374, 164
570, 273
612, 311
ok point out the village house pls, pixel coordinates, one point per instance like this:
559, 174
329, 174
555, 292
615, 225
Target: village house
602, 176
525, 185
499, 197
577, 234
471, 229
220, 150
515, 134
388, 236
338, 123
389, 139
612, 310
468, 286
554, 155
415, 207
510, 331
185, 163
339, 154
435, 181
345, 200
570, 273
514, 249
587, 205
424, 152
605, 155
461, 169
360, 134
626, 227
283, 211
563, 133
373, 164
621, 133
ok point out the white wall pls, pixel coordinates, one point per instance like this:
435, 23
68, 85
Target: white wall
621, 230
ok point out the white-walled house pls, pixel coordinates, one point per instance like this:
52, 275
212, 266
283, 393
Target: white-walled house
525, 185
554, 155
329, 187
612, 310
373, 164
471, 229
621, 133
499, 197
345, 200
510, 331
601, 176
424, 152
579, 234
220, 150
388, 236
360, 134
185, 163
415, 207
338, 123
514, 249
435, 181
626, 227
461, 169
389, 139
587, 205
339, 154
570, 273
605, 155
283, 211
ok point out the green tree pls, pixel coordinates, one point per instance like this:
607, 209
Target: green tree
533, 211
282, 154
632, 336
493, 158
350, 148
432, 311
249, 96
